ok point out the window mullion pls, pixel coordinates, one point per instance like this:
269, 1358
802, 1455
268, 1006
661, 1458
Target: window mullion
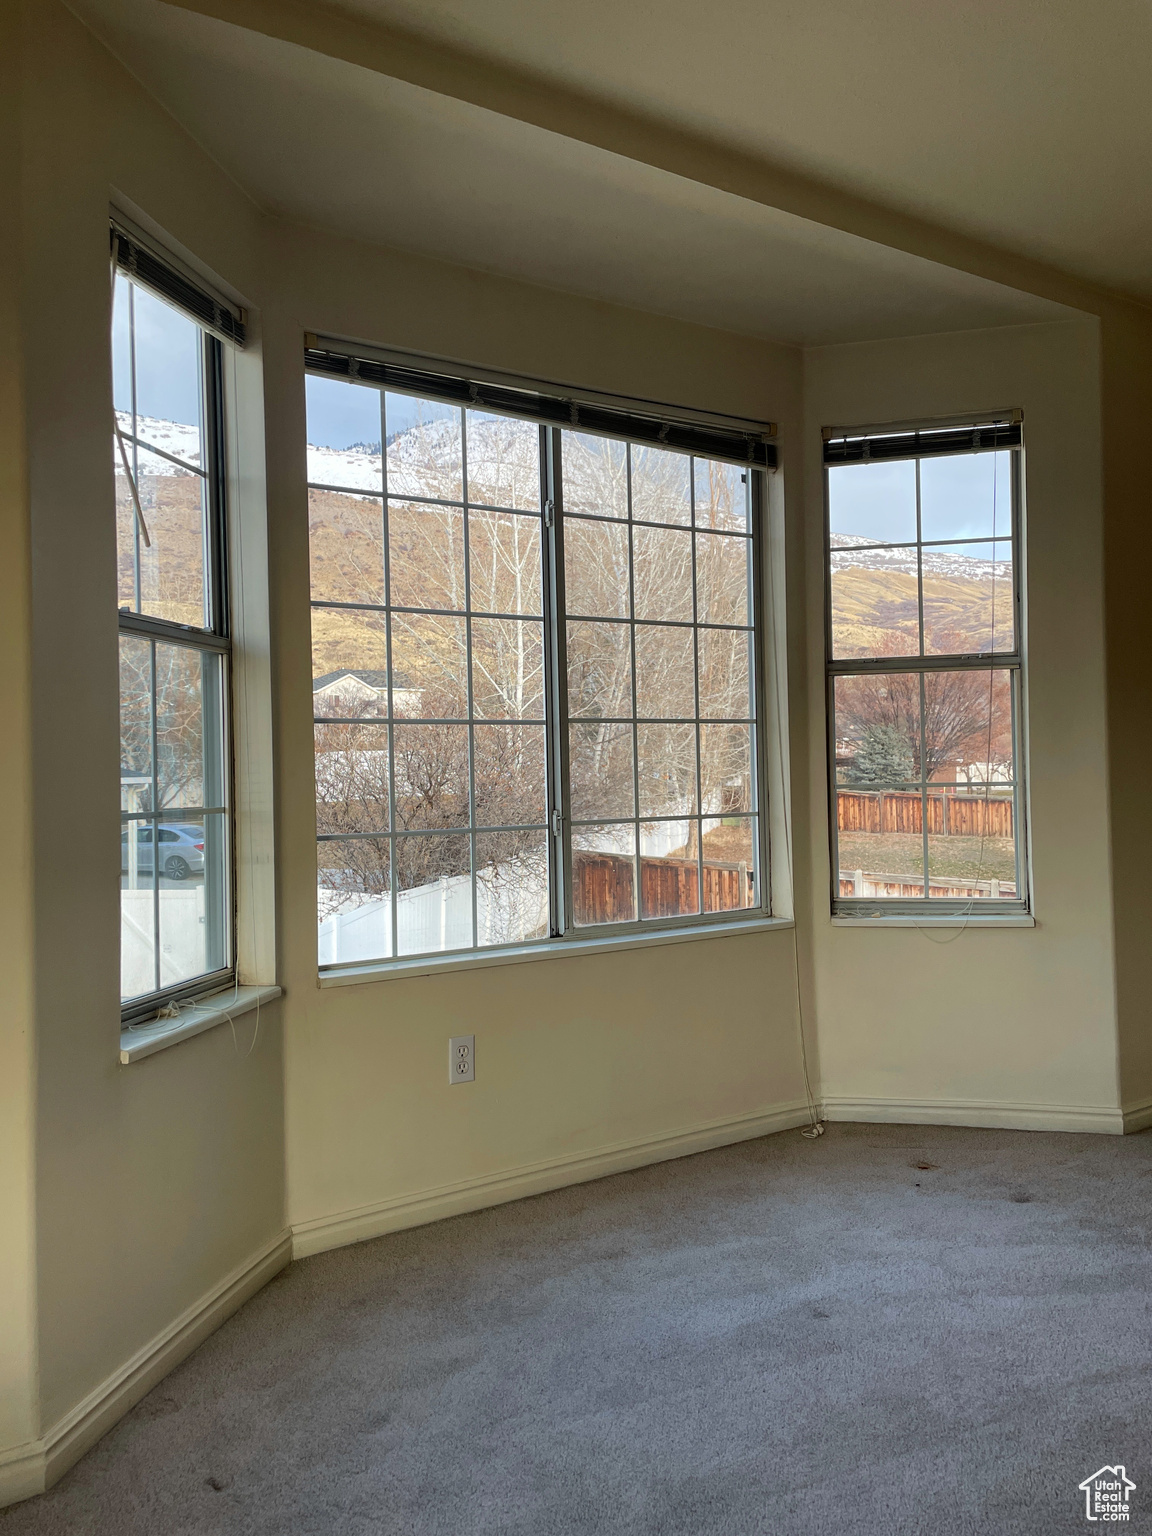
556, 694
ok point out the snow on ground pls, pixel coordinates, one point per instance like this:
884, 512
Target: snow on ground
937, 562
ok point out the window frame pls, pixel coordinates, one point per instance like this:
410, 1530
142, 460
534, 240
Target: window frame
213, 638
1013, 662
562, 929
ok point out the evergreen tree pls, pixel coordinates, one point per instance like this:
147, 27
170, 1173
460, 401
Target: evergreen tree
884, 756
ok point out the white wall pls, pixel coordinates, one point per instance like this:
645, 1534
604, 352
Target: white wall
1016, 1025
156, 1181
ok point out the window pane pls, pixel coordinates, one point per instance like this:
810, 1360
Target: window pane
972, 844
138, 974
164, 578
662, 562
343, 434
350, 665
877, 727
661, 485
189, 727
966, 496
192, 861
875, 601
968, 598
595, 475
722, 495
968, 727
354, 908
730, 864
426, 556
726, 674
424, 448
603, 875
666, 764
723, 579
169, 383
503, 462
596, 569
880, 842
122, 383
726, 768
504, 550
507, 669
136, 787
600, 770
434, 904
431, 766
599, 670
511, 887
430, 653
873, 503
669, 872
346, 544
509, 770
665, 661
351, 778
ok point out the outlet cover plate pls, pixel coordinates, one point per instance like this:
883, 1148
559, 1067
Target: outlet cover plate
462, 1059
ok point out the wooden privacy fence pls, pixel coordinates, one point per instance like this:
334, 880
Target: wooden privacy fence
880, 810
602, 887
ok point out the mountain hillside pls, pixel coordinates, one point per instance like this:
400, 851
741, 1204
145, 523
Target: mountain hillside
967, 602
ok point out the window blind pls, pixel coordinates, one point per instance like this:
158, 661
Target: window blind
144, 264
858, 447
736, 445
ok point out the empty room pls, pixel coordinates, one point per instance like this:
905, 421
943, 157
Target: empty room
607, 549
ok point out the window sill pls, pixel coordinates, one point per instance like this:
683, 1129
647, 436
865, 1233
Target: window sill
145, 1039
907, 920
382, 970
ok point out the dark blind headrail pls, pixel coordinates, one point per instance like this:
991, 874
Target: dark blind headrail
709, 441
979, 437
138, 261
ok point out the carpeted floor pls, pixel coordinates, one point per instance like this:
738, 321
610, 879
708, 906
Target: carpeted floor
893, 1329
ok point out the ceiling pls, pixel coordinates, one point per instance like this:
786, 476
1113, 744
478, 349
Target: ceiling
325, 142
1028, 124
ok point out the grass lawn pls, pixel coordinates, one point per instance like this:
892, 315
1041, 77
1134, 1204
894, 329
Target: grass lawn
899, 853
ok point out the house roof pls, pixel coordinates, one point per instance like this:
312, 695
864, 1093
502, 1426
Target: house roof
369, 678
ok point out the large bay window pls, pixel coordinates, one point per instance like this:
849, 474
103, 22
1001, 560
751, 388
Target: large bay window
536, 672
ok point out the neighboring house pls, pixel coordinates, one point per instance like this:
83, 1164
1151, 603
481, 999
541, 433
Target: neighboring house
366, 692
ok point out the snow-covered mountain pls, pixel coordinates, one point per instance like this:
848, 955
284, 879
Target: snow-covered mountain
170, 436
937, 562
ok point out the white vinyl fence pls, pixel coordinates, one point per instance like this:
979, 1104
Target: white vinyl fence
183, 937
511, 905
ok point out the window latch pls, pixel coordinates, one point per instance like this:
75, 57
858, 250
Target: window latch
549, 513
557, 822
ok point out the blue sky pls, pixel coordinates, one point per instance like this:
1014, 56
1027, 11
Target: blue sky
962, 496
341, 414
167, 359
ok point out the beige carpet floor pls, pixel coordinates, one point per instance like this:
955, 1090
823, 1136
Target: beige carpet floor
893, 1329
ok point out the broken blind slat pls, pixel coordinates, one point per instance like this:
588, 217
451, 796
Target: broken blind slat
554, 410
145, 266
978, 437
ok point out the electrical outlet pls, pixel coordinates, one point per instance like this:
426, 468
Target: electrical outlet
462, 1059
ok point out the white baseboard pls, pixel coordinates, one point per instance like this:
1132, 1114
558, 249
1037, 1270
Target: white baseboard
414, 1210
31, 1468
984, 1113
1137, 1116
